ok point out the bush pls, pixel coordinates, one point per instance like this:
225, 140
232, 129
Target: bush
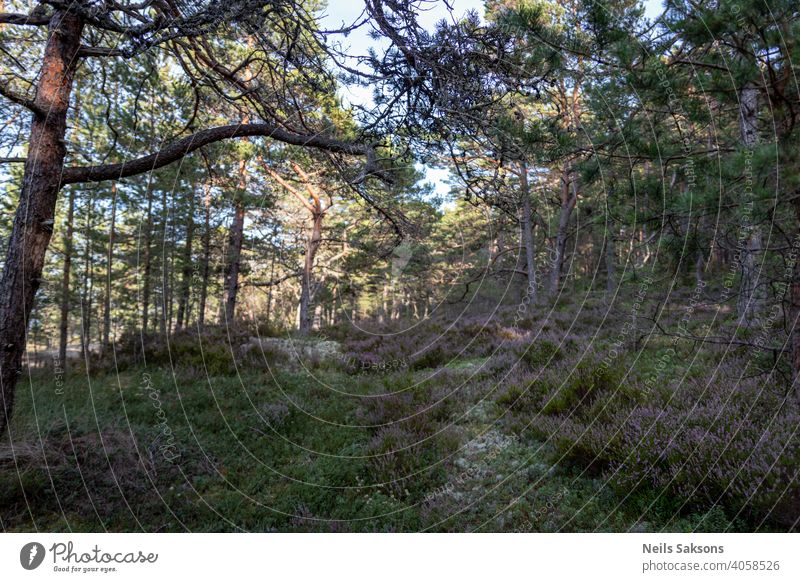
407, 463
728, 442
711, 442
433, 358
214, 352
542, 353
585, 382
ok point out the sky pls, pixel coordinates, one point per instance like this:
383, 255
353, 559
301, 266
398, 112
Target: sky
341, 13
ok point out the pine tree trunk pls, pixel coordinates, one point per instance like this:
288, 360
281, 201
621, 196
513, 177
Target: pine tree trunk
385, 304
170, 277
750, 293
33, 221
65, 296
186, 283
88, 282
611, 263
569, 198
269, 291
699, 266
527, 233
233, 264
206, 266
235, 243
306, 291
165, 270
147, 260
109, 269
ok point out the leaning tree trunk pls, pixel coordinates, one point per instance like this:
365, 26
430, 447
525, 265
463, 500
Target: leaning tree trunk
65, 298
33, 222
233, 264
750, 293
569, 197
527, 233
306, 291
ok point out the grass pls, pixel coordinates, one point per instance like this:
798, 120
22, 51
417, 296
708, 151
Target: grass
442, 445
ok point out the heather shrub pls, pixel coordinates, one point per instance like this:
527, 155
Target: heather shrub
584, 383
276, 414
432, 358
419, 408
510, 396
407, 463
541, 353
524, 396
188, 350
574, 441
430, 344
729, 441
215, 358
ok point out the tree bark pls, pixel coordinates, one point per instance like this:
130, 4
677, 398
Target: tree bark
88, 282
201, 307
33, 221
65, 297
699, 266
147, 262
233, 264
186, 282
750, 293
307, 291
527, 232
611, 263
184, 146
569, 198
109, 268
271, 287
165, 267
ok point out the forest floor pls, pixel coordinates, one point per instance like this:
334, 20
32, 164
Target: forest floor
435, 445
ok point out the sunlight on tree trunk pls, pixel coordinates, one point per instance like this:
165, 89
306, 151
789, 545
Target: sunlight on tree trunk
34, 219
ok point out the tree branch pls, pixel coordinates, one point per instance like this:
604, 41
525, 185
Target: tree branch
6, 92
274, 282
100, 51
182, 147
24, 19
291, 189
